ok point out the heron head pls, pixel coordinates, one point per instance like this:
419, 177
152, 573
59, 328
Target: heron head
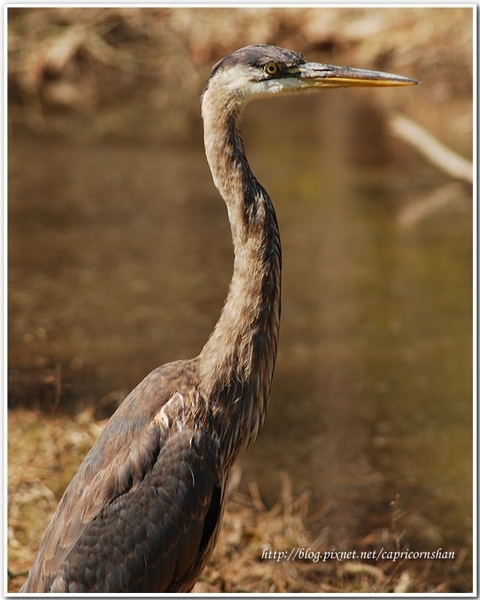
258, 71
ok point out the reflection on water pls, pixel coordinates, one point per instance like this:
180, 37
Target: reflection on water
120, 257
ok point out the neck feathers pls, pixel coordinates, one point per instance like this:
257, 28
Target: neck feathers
241, 351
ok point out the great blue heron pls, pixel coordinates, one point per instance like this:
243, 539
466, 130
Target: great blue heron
143, 512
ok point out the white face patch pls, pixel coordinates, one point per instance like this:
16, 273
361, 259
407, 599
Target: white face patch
284, 85
240, 80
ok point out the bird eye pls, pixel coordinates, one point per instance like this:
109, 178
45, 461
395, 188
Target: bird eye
271, 68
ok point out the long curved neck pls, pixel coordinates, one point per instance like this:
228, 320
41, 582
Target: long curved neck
239, 356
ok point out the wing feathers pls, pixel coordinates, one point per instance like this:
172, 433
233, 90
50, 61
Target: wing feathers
133, 515
151, 535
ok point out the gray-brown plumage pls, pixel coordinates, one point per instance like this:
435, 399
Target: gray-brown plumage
143, 512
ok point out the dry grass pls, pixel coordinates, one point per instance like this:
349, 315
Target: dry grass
250, 529
44, 453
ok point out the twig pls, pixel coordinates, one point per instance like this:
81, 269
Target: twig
431, 204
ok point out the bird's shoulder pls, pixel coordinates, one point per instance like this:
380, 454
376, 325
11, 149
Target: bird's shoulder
138, 429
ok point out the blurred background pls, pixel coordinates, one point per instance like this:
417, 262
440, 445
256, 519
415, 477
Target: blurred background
119, 258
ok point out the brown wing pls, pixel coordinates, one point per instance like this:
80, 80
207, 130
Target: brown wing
136, 512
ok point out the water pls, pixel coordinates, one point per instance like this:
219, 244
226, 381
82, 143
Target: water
120, 257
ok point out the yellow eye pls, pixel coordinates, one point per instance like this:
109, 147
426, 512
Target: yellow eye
271, 68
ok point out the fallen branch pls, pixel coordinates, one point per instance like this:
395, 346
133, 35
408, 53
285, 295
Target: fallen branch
438, 154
